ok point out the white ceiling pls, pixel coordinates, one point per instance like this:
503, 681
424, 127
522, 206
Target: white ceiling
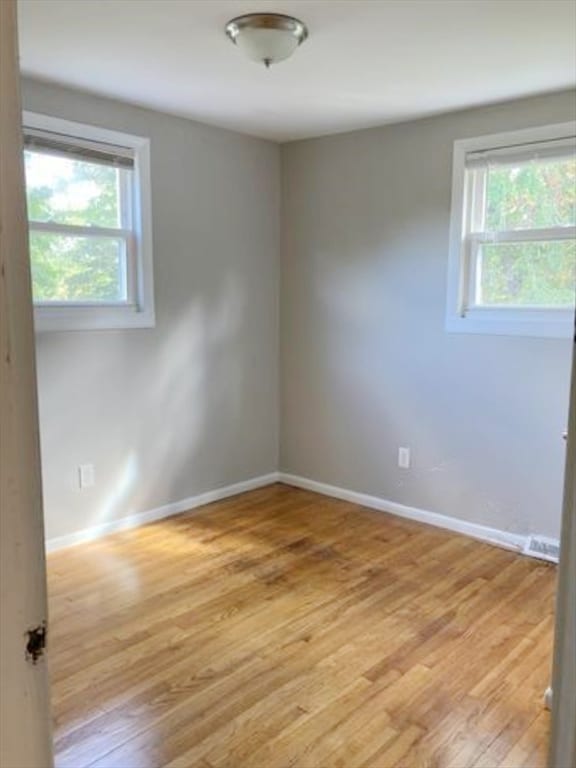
366, 62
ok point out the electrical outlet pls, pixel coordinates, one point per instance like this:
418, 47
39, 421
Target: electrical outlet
404, 458
86, 478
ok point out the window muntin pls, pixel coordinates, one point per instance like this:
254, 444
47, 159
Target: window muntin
512, 260
88, 200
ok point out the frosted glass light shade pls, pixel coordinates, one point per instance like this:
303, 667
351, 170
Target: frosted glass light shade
266, 45
267, 37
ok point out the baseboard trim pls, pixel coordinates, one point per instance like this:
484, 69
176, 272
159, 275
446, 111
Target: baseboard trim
495, 536
512, 541
167, 510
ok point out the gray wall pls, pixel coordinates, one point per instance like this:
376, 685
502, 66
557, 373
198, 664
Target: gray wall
190, 405
366, 363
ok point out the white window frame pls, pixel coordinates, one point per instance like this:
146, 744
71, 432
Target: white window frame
136, 231
461, 314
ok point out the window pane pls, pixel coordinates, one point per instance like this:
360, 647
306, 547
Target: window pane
528, 274
72, 268
531, 195
70, 191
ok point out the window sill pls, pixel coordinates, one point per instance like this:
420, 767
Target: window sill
548, 324
90, 318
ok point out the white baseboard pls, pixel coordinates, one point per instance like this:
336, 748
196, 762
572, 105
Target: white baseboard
175, 508
495, 536
513, 541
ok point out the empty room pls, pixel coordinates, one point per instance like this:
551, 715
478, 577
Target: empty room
288, 392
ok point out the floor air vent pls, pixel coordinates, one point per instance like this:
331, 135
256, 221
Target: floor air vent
545, 549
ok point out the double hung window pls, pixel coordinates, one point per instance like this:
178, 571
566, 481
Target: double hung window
513, 243
89, 226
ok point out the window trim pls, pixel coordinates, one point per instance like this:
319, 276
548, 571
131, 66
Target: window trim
504, 321
138, 311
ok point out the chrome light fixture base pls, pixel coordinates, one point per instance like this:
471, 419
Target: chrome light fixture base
267, 37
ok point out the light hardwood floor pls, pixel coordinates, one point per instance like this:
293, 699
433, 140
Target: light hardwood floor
283, 628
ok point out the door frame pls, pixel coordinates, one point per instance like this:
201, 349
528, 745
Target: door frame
25, 718
562, 747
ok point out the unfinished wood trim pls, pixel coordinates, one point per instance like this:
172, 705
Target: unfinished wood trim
25, 724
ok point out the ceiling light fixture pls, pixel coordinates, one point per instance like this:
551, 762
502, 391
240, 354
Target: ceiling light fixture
267, 37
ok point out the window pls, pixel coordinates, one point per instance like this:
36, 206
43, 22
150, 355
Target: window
89, 224
513, 233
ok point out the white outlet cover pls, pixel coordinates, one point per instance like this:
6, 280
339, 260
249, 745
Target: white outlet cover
86, 475
404, 458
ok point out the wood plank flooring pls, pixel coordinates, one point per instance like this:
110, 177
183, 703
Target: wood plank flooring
281, 628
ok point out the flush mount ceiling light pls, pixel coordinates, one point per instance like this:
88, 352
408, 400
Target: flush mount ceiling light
267, 37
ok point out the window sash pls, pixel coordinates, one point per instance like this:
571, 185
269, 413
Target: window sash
126, 181
130, 267
476, 183
472, 257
